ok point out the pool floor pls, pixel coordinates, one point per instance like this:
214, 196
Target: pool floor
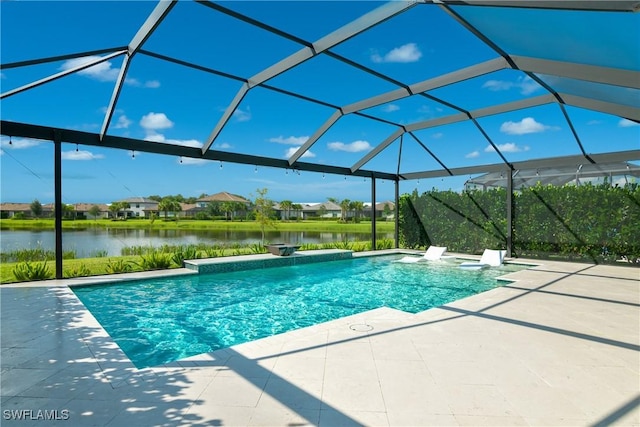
163, 320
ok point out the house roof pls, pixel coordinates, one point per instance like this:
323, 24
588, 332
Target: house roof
85, 207
15, 206
223, 197
138, 200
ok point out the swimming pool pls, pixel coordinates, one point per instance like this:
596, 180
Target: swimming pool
162, 320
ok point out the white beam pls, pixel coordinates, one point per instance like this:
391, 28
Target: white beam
514, 106
591, 73
317, 134
460, 75
620, 110
595, 5
371, 154
454, 118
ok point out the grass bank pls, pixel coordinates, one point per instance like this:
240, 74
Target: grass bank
165, 257
193, 224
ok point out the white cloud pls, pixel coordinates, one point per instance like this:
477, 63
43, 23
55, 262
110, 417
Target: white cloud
123, 122
524, 126
104, 72
353, 147
390, 108
242, 116
158, 137
292, 150
497, 85
223, 146
101, 72
437, 135
526, 85
406, 53
473, 155
153, 121
625, 123
80, 155
291, 140
150, 84
18, 143
508, 147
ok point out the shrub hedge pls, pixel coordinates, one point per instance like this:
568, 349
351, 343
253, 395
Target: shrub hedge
596, 223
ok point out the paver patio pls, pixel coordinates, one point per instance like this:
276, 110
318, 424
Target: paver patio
560, 346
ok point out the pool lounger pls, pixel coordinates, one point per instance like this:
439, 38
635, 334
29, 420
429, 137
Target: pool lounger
490, 258
434, 253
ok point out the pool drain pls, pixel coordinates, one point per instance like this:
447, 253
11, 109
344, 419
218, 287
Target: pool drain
361, 327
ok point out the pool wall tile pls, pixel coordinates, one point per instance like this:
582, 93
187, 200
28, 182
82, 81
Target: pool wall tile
254, 262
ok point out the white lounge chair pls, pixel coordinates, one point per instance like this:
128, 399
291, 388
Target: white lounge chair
433, 253
490, 258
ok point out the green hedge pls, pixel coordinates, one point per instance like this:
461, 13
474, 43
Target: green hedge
587, 223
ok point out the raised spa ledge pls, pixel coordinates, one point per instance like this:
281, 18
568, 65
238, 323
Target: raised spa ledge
255, 261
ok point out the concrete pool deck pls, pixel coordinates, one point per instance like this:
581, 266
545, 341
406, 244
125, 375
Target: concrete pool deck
560, 346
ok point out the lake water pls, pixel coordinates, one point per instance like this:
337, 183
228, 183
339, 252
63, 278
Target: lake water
87, 243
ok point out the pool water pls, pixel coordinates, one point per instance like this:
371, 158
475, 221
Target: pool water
162, 320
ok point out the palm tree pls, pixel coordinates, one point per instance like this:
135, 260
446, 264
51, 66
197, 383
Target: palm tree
286, 205
169, 204
357, 206
227, 208
297, 207
124, 206
344, 206
114, 207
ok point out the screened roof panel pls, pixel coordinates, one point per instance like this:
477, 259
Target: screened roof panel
415, 156
530, 134
603, 92
161, 107
349, 139
42, 104
268, 123
415, 108
457, 145
242, 50
605, 39
57, 30
413, 46
594, 128
335, 82
309, 20
499, 87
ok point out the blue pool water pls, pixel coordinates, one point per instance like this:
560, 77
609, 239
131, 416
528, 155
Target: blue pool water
162, 320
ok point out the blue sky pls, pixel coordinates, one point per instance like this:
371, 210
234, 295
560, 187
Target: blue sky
166, 103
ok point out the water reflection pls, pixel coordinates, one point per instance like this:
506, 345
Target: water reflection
89, 242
